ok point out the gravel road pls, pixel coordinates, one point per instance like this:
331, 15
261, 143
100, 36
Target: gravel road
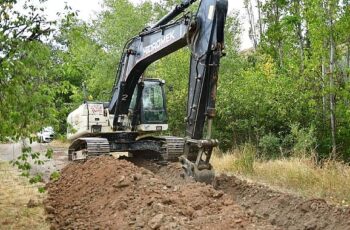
11, 151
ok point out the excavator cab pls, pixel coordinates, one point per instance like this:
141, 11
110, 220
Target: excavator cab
150, 112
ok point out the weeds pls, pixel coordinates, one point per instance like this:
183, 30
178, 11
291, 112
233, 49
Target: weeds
245, 160
15, 195
330, 181
240, 160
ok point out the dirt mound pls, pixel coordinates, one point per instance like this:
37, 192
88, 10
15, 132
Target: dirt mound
284, 210
105, 193
171, 172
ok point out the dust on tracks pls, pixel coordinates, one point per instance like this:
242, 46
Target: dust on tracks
105, 193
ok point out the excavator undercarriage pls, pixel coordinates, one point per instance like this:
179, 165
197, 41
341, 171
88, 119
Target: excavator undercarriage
160, 149
156, 148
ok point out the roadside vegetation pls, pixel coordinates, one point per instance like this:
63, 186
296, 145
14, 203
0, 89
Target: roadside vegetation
21, 204
329, 180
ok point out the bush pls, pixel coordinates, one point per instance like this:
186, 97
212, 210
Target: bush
269, 146
304, 140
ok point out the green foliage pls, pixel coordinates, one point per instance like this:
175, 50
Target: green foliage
55, 176
291, 78
25, 71
27, 159
41, 189
36, 179
270, 146
304, 140
49, 153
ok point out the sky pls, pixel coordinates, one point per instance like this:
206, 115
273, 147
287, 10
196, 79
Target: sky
89, 8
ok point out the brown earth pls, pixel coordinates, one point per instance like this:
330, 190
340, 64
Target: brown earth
283, 209
105, 193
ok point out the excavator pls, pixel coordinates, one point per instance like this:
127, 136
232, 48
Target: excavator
136, 114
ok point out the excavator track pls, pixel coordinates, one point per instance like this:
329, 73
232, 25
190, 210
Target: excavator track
170, 148
173, 148
83, 148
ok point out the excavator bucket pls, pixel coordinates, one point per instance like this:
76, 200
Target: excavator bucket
204, 175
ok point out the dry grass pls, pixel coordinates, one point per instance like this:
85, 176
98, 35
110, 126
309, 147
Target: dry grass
15, 193
299, 175
61, 143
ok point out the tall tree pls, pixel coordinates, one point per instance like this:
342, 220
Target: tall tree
27, 86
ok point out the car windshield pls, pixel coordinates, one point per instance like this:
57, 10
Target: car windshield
48, 129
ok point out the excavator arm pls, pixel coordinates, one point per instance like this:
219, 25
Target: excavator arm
139, 53
207, 49
150, 45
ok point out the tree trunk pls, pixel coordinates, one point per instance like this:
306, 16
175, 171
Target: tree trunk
260, 20
324, 109
251, 19
332, 94
297, 5
348, 62
279, 42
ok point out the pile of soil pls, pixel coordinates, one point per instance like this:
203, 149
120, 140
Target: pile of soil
282, 209
106, 193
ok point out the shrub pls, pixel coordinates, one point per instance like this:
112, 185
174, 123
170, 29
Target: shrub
269, 146
304, 140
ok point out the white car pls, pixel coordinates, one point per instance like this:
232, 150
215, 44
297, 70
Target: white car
46, 135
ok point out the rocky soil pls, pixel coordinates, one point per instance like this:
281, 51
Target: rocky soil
106, 193
282, 209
